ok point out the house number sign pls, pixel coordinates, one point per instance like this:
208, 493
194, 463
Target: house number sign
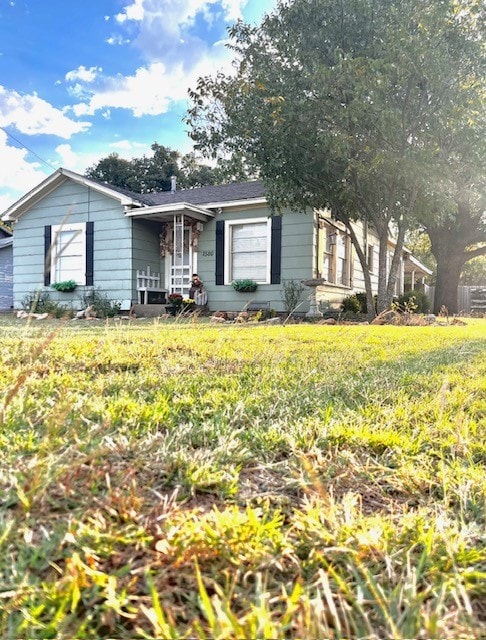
208, 254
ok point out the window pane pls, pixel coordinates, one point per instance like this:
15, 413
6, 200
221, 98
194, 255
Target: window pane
249, 251
69, 260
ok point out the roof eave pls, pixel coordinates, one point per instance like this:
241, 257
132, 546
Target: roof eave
195, 211
236, 203
57, 178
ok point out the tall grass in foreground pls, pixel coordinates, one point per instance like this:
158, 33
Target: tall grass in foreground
180, 481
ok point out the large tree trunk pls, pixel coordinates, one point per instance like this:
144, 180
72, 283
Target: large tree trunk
449, 267
450, 255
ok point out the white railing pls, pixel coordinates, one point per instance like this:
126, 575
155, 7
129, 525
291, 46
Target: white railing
148, 282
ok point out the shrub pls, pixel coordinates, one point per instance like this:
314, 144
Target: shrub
40, 302
414, 301
292, 292
351, 304
99, 301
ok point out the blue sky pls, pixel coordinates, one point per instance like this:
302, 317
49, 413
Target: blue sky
80, 79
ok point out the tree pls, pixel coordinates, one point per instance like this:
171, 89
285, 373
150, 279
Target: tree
452, 210
332, 103
115, 171
153, 173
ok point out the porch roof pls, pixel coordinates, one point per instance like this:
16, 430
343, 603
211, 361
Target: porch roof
165, 212
412, 264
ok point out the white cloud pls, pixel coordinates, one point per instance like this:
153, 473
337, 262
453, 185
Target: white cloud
32, 115
117, 40
17, 176
134, 11
84, 74
176, 56
128, 146
150, 91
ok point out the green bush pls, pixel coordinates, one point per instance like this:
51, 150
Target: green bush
414, 301
292, 292
99, 301
351, 304
40, 302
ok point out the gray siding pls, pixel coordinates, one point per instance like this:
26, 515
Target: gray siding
6, 278
146, 251
112, 243
297, 260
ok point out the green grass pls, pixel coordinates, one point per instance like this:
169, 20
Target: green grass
189, 481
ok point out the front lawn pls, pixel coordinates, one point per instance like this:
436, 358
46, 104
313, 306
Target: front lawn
302, 481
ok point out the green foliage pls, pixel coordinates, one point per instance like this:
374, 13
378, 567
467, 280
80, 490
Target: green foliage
99, 301
351, 304
292, 292
345, 105
415, 301
245, 285
40, 302
356, 303
66, 285
172, 481
474, 272
154, 172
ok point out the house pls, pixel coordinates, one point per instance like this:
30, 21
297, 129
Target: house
141, 247
6, 269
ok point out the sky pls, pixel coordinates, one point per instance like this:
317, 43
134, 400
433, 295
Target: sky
80, 79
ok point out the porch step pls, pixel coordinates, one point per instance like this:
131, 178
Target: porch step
148, 310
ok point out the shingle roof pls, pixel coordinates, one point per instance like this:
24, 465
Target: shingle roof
199, 195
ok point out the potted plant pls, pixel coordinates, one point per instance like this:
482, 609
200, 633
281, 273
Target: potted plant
188, 304
65, 285
244, 286
175, 301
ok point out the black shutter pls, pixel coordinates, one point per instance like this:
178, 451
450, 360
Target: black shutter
219, 262
89, 254
47, 254
276, 245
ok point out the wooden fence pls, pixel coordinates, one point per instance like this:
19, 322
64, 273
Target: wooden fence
469, 299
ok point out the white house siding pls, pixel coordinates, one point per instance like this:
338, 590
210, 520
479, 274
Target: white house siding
72, 203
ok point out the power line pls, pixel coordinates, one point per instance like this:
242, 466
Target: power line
27, 148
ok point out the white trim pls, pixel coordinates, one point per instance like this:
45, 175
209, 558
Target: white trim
197, 212
228, 276
235, 203
55, 180
78, 227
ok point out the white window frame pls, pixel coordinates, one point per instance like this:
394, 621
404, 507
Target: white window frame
228, 234
79, 227
329, 253
370, 258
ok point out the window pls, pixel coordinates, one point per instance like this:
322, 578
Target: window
371, 258
336, 256
328, 268
343, 252
248, 250
68, 253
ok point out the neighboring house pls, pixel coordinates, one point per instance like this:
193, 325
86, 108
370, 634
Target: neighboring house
72, 227
6, 269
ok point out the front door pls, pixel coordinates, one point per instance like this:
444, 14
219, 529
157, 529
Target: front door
182, 258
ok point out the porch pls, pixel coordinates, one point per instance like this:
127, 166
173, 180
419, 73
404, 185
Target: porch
166, 255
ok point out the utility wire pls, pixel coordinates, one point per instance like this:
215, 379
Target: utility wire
28, 149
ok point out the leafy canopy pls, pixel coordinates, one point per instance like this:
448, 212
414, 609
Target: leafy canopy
338, 103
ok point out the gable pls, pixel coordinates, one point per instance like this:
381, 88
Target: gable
63, 178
